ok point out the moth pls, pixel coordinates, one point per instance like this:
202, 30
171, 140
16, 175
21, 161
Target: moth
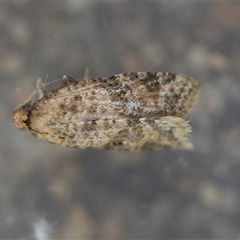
130, 111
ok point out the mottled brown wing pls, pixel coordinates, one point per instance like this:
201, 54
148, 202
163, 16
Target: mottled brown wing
134, 95
152, 134
123, 134
152, 94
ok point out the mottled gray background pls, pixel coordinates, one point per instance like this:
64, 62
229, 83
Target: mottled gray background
48, 191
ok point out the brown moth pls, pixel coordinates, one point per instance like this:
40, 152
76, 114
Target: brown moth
130, 111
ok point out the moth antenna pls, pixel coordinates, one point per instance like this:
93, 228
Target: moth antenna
54, 81
27, 100
41, 86
39, 90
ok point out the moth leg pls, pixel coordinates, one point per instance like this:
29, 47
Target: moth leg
66, 80
86, 73
40, 88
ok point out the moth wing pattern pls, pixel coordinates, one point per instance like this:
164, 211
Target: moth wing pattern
146, 94
130, 111
130, 95
123, 134
153, 134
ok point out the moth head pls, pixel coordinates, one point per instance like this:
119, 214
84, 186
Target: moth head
20, 116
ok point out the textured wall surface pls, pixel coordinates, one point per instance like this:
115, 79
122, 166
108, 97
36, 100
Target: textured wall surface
48, 191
